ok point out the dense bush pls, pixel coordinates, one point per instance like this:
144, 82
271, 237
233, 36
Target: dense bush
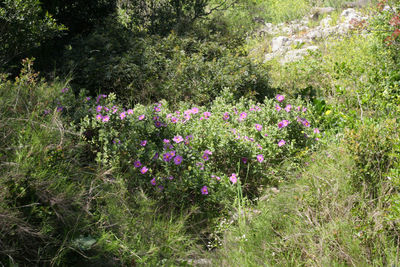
24, 26
145, 69
176, 155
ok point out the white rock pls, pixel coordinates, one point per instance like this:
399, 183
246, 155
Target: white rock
278, 43
326, 22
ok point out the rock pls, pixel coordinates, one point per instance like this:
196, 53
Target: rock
318, 11
326, 22
314, 35
350, 14
278, 43
297, 54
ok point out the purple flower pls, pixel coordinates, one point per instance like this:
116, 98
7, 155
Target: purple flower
122, 115
281, 143
153, 181
59, 108
278, 108
316, 131
305, 122
157, 109
88, 98
206, 115
64, 90
288, 108
106, 118
167, 157
283, 123
171, 178
155, 156
141, 117
233, 178
244, 160
144, 170
304, 110
137, 164
205, 157
208, 152
204, 190
177, 139
99, 117
226, 116
280, 98
242, 116
143, 143
98, 108
195, 110
130, 111
174, 119
258, 127
260, 158
158, 124
178, 160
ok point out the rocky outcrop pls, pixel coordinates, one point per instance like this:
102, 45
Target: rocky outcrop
297, 39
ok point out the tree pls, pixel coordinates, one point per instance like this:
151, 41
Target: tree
24, 26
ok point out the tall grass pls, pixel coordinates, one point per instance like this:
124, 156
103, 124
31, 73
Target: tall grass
315, 220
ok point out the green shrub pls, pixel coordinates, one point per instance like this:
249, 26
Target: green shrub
373, 146
152, 68
174, 155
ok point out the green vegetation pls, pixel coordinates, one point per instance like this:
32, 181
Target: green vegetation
148, 133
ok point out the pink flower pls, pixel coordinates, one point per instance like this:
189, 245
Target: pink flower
99, 117
177, 139
281, 143
98, 108
206, 115
316, 131
288, 108
278, 108
204, 190
153, 181
280, 98
122, 115
242, 116
226, 116
106, 118
144, 170
143, 143
195, 110
258, 127
260, 158
141, 117
233, 178
137, 164
283, 123
130, 111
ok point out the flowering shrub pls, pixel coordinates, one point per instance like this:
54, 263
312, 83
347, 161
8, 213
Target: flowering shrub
195, 154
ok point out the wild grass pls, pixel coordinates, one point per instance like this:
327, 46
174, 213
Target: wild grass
314, 220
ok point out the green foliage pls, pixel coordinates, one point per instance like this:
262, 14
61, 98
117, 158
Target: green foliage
56, 206
373, 147
312, 221
148, 69
24, 26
